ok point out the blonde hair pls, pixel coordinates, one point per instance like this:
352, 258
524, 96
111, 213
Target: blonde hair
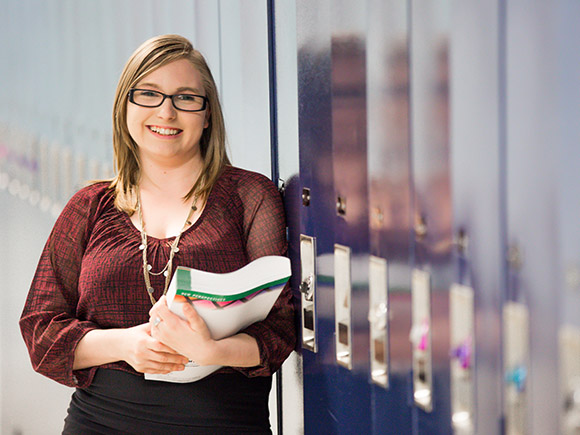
152, 54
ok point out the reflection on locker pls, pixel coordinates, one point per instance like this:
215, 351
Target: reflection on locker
308, 291
462, 324
516, 366
342, 305
379, 321
421, 340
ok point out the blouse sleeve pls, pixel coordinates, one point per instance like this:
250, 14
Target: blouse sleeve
265, 227
48, 322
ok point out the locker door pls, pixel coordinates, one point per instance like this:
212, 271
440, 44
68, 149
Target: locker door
478, 221
317, 215
332, 132
389, 215
532, 300
569, 216
432, 271
350, 260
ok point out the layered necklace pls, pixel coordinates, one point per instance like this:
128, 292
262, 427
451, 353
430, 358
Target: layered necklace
167, 270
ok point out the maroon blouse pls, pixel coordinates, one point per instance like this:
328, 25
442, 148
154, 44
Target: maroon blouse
90, 273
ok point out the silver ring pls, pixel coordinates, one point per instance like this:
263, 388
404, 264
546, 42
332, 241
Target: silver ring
156, 321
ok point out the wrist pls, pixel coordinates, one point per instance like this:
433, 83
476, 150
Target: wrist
97, 347
218, 353
240, 350
118, 347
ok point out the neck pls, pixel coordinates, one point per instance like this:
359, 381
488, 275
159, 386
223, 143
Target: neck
170, 178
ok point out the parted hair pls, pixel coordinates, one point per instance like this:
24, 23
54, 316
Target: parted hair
152, 54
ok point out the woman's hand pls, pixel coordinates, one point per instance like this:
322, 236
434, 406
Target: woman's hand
133, 345
189, 337
148, 355
192, 338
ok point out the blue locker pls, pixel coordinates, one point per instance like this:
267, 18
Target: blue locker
433, 270
531, 393
332, 131
478, 217
389, 213
568, 178
438, 159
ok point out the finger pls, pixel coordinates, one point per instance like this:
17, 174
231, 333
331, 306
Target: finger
163, 311
158, 367
160, 348
155, 321
168, 365
163, 369
169, 358
160, 303
193, 318
157, 334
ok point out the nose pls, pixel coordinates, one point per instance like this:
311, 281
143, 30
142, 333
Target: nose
166, 110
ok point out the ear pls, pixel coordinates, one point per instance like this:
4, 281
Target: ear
207, 115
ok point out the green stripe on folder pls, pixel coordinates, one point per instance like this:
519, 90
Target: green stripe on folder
183, 279
185, 290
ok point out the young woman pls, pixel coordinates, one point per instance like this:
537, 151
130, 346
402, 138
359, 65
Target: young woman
96, 318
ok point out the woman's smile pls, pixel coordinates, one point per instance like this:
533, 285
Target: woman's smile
164, 132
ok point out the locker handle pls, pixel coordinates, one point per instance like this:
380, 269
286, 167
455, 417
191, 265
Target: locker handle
306, 287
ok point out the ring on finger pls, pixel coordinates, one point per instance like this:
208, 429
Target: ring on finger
156, 321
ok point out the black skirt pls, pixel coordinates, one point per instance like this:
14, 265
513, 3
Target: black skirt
122, 403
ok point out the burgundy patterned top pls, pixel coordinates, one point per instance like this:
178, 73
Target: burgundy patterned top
90, 273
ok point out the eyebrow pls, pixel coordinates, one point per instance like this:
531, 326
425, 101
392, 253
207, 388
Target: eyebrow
178, 90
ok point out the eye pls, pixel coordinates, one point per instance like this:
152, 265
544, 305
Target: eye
188, 98
146, 93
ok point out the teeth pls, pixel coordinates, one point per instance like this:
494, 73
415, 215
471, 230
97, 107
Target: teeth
164, 131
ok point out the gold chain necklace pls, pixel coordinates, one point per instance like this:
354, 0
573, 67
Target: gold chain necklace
147, 268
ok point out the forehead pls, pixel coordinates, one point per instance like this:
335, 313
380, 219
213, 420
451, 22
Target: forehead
175, 75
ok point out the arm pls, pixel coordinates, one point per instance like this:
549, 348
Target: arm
265, 226
48, 323
275, 336
133, 345
62, 346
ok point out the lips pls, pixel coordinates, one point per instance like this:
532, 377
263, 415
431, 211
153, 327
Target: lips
164, 131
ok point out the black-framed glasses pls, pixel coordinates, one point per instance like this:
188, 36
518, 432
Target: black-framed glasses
184, 102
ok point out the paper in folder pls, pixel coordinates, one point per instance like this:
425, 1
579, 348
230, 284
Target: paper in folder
228, 302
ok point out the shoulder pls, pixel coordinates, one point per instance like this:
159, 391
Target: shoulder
245, 182
93, 194
88, 200
80, 213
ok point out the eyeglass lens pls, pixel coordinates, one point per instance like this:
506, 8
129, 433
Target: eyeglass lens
149, 98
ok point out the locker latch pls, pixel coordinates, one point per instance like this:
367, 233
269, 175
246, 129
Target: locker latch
308, 291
